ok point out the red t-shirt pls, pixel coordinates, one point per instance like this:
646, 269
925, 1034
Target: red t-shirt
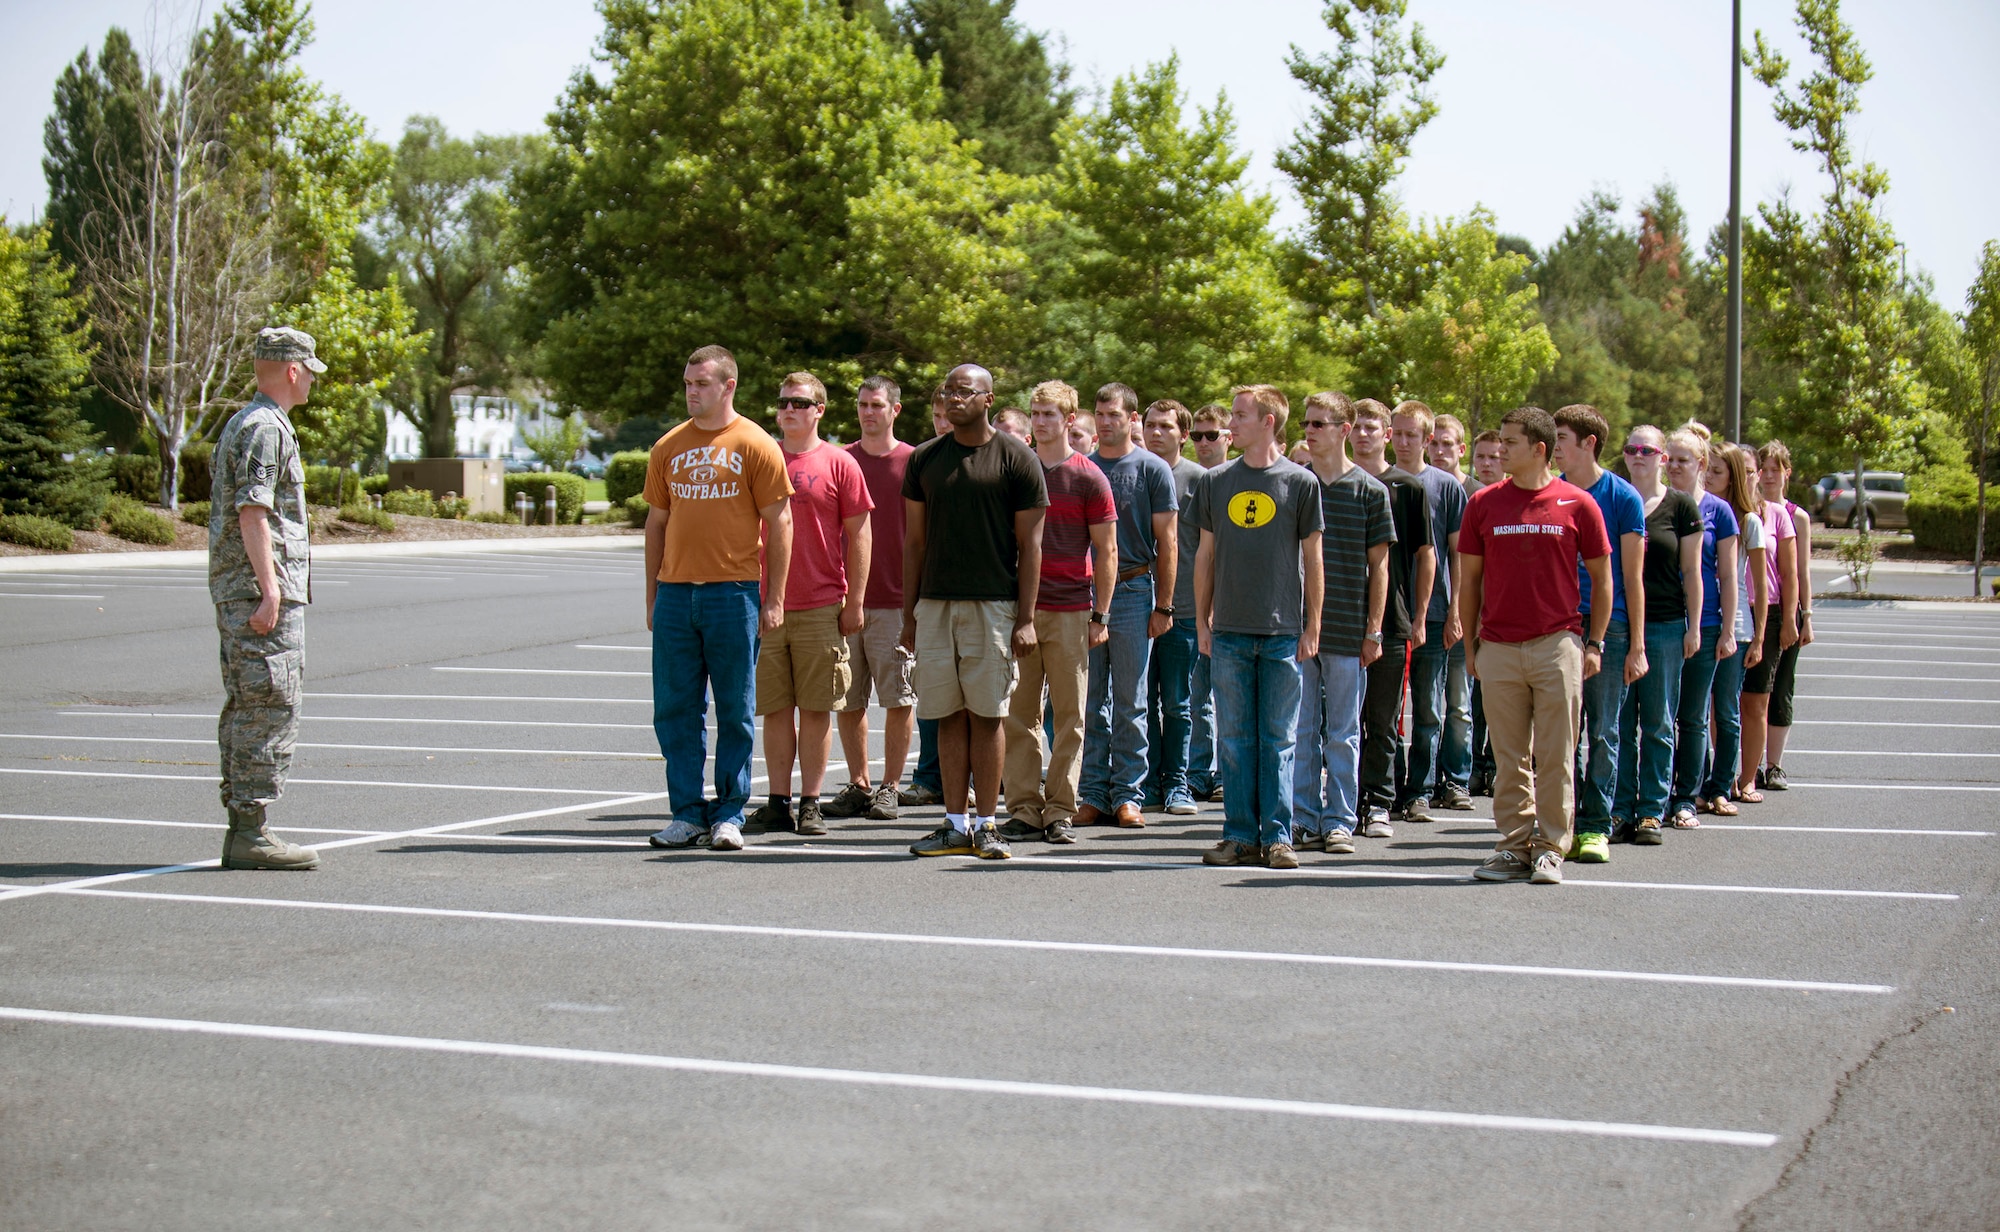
884, 476
1079, 498
827, 489
1531, 542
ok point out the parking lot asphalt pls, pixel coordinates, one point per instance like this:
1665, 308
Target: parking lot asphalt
497, 1007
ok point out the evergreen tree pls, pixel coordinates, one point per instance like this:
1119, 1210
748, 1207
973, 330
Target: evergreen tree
44, 363
1000, 87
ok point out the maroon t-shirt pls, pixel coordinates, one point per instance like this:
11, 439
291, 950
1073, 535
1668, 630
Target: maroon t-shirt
884, 477
1531, 542
1079, 498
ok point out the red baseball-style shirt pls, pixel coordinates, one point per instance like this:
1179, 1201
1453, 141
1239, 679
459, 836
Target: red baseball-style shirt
1531, 542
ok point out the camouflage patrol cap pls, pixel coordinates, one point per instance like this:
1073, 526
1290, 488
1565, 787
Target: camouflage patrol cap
282, 342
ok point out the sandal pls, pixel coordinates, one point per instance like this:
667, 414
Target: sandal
1718, 805
1684, 821
1752, 796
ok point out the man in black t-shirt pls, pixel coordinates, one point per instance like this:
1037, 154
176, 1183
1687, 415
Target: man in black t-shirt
972, 564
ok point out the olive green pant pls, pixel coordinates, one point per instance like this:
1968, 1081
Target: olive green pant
262, 676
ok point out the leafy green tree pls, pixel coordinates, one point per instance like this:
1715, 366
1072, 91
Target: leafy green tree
771, 176
1982, 340
1172, 283
1000, 87
558, 440
44, 364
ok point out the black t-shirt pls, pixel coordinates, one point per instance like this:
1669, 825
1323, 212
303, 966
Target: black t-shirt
1675, 518
970, 497
1410, 507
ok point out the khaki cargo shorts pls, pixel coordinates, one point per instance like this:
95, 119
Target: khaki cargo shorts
965, 657
803, 663
876, 656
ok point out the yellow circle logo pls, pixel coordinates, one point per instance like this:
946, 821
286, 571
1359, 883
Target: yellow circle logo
1252, 509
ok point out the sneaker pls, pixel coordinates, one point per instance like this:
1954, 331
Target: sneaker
772, 817
1548, 869
852, 801
1591, 849
1059, 833
1621, 829
1279, 855
810, 821
882, 803
1418, 809
725, 836
1647, 832
680, 834
1228, 852
1376, 824
1214, 794
988, 845
1338, 843
1502, 866
1774, 780
1453, 797
1306, 840
943, 841
916, 796
1182, 805
1015, 830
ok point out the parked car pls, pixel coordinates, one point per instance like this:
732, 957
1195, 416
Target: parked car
1887, 495
588, 467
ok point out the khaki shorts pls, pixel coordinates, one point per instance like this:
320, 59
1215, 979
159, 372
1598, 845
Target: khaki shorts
877, 656
803, 662
965, 657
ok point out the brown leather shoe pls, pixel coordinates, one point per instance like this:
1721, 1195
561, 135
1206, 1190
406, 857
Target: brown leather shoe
1088, 815
1128, 816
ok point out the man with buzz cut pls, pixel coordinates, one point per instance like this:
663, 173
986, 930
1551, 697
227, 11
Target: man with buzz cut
1519, 548
803, 666
972, 569
1439, 769
1114, 731
1355, 547
1257, 592
717, 487
1170, 693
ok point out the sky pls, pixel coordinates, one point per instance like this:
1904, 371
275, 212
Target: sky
1540, 101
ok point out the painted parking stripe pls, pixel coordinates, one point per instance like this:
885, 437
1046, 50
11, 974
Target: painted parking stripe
1916, 701
602, 646
211, 779
365, 718
491, 697
1796, 752
542, 671
1734, 825
1010, 943
1864, 723
923, 1082
177, 825
1888, 786
23, 594
632, 755
1852, 678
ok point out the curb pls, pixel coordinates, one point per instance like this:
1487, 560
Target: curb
56, 563
1906, 605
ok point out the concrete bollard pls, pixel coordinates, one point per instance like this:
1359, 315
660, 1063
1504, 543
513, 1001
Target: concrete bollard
521, 507
550, 498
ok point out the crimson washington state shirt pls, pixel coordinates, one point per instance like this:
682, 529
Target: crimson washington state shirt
1531, 542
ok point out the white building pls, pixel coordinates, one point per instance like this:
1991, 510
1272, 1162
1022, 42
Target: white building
486, 428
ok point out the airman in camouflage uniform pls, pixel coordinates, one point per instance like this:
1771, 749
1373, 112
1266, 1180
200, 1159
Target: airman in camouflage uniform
258, 561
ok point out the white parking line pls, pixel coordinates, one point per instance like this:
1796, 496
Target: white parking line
1916, 701
204, 778
1798, 752
634, 755
1833, 642
1010, 943
488, 697
363, 718
1886, 786
600, 646
1853, 678
178, 825
24, 594
923, 1082
1731, 825
1864, 723
541, 671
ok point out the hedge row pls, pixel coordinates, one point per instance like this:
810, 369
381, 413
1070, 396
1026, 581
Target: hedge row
134, 523
1944, 511
569, 494
625, 476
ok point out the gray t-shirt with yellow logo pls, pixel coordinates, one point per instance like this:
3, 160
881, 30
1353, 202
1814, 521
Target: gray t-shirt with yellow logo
1258, 518
257, 463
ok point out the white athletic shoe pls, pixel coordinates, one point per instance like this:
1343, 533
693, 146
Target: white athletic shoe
725, 836
680, 834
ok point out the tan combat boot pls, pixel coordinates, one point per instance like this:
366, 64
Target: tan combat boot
249, 845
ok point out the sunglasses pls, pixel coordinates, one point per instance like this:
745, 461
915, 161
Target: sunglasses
796, 404
1205, 434
1318, 423
1643, 451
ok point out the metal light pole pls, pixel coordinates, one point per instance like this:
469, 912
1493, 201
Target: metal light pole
1732, 371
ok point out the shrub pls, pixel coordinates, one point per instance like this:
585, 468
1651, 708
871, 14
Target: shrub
367, 515
456, 508
45, 534
134, 523
195, 513
625, 476
636, 510
136, 475
569, 494
487, 515
1944, 510
374, 485
411, 502
332, 485
197, 473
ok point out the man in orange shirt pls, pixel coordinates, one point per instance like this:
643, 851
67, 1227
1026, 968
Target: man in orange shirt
715, 484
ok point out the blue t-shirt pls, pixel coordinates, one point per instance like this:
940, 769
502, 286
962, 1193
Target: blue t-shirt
1141, 486
1624, 514
1718, 522
1447, 501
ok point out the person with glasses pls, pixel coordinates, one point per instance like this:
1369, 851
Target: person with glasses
1722, 537
972, 569
1440, 767
1210, 437
1169, 714
717, 486
1354, 508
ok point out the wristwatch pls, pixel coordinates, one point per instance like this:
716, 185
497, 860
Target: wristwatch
1375, 637
1593, 644
1167, 611
1097, 618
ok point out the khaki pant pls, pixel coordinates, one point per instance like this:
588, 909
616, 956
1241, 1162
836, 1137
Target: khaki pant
1059, 658
1533, 693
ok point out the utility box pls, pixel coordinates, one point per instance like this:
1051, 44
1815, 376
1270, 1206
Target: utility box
476, 479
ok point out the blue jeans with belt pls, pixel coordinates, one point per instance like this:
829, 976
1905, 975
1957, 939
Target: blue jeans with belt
705, 634
1114, 731
1256, 680
1597, 752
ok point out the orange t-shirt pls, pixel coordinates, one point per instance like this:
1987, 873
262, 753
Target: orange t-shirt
712, 484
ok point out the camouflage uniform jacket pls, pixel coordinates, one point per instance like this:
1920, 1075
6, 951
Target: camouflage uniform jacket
257, 463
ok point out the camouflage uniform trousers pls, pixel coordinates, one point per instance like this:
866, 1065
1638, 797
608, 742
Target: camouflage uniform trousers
263, 676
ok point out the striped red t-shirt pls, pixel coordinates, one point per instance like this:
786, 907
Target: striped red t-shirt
1079, 498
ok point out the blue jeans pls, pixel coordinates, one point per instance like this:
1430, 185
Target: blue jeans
1597, 752
1201, 773
705, 634
1691, 720
1435, 750
1728, 695
1455, 757
1114, 715
927, 773
1256, 683
1169, 719
1646, 727
1326, 768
